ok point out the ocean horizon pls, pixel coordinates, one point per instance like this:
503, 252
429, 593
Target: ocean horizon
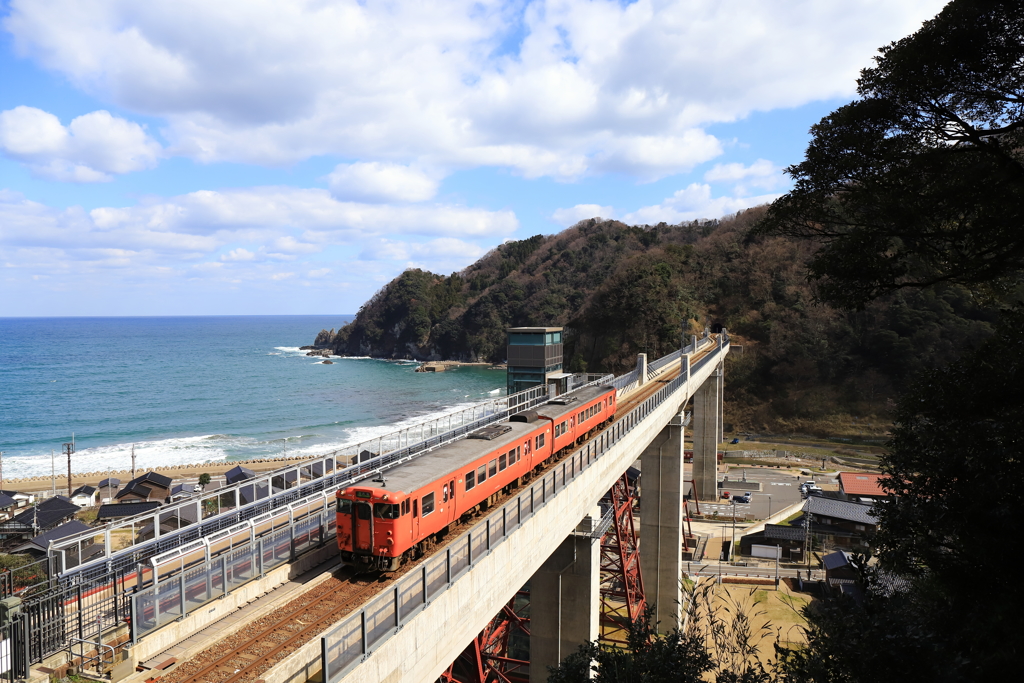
200, 389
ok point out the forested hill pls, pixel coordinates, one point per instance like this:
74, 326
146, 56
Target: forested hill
620, 290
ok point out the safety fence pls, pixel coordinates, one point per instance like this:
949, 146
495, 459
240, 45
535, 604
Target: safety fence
361, 632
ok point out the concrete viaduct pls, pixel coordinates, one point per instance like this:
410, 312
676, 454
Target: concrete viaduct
552, 546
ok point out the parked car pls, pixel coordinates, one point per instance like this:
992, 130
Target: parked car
725, 495
742, 498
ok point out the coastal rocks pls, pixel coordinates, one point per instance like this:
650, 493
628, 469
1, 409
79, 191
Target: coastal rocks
327, 362
322, 353
325, 338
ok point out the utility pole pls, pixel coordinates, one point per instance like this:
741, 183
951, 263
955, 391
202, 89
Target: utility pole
69, 448
732, 546
1, 470
133, 461
53, 474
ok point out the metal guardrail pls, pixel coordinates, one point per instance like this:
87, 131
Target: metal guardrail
359, 634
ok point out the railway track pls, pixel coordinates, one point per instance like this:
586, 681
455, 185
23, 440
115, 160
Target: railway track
244, 656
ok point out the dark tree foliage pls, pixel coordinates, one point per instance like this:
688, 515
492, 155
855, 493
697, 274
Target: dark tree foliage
956, 451
673, 658
920, 181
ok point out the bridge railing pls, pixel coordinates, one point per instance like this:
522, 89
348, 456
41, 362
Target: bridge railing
361, 632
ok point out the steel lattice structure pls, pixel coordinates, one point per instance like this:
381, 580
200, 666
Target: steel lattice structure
488, 659
622, 586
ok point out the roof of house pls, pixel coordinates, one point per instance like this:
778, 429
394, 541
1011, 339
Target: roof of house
783, 533
84, 490
48, 513
14, 494
118, 510
239, 473
860, 484
42, 541
6, 501
836, 560
135, 487
155, 479
110, 482
840, 509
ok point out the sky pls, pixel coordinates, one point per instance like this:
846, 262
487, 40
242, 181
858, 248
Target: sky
268, 157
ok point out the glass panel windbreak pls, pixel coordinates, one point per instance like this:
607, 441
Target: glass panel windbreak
496, 530
460, 556
410, 594
241, 566
344, 647
437, 569
168, 602
479, 543
145, 617
199, 588
380, 618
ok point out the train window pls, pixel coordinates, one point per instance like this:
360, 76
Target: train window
405, 507
363, 510
470, 479
492, 468
519, 451
481, 474
415, 508
428, 504
344, 506
539, 442
385, 511
444, 493
502, 461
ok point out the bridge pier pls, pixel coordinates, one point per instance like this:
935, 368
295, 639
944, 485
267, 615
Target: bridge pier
565, 601
661, 525
707, 434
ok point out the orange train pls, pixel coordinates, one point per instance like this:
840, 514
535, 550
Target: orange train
394, 517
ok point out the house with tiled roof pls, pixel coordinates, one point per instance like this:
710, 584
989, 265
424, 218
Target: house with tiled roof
861, 486
843, 523
37, 519
150, 487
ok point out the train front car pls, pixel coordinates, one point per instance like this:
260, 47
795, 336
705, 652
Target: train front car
372, 525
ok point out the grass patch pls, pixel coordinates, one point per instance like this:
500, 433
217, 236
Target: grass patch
789, 520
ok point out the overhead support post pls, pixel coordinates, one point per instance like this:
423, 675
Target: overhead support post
641, 369
564, 602
661, 525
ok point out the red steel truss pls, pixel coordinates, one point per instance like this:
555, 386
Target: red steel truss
622, 585
488, 658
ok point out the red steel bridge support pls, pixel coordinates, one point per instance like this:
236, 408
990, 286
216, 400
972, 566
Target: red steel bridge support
497, 655
622, 584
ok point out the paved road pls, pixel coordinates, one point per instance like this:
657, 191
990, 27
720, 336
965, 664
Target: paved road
783, 488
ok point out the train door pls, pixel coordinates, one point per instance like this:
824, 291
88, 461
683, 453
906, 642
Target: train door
448, 499
362, 527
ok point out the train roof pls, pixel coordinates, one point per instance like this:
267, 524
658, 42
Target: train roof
570, 402
429, 467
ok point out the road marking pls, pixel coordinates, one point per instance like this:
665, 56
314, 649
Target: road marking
781, 483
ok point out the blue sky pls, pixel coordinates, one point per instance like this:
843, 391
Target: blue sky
262, 157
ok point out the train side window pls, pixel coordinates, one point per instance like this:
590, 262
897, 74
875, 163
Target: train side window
519, 451
444, 493
428, 504
502, 461
415, 508
405, 507
481, 474
540, 441
492, 468
470, 479
344, 506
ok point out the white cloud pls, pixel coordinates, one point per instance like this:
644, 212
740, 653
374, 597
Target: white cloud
580, 212
88, 150
443, 250
376, 181
594, 85
693, 202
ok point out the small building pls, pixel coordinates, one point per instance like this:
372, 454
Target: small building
37, 519
238, 474
38, 545
114, 511
85, 496
21, 500
534, 357
108, 487
8, 506
150, 487
843, 523
789, 538
861, 487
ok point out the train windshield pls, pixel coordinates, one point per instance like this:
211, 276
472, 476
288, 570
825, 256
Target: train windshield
385, 511
344, 506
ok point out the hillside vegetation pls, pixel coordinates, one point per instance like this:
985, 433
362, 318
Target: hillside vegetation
621, 290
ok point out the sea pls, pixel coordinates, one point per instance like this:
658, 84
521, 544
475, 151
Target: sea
185, 390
